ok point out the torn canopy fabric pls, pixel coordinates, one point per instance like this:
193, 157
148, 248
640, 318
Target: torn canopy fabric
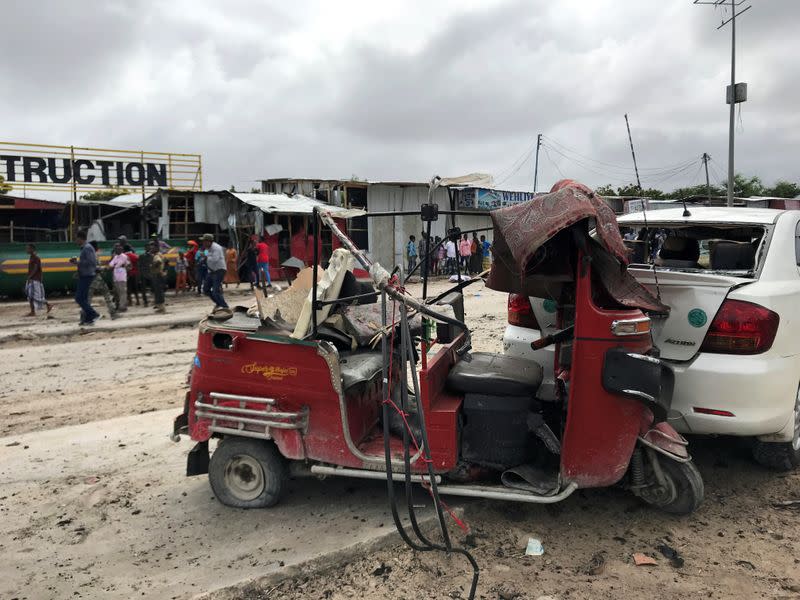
533, 247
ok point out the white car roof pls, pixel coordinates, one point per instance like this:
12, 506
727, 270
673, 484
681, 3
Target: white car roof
705, 214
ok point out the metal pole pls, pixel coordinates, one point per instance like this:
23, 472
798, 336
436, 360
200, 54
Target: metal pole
633, 154
426, 258
708, 184
315, 230
536, 163
73, 208
733, 104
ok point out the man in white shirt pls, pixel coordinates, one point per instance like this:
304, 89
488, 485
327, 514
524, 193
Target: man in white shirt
215, 261
450, 251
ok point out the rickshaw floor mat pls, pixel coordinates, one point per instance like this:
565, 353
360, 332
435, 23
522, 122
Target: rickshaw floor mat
530, 478
360, 367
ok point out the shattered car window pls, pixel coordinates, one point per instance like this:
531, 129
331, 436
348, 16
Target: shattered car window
732, 249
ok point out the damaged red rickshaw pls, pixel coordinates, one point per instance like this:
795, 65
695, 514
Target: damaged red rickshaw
371, 382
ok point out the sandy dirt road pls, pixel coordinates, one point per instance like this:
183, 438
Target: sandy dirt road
94, 503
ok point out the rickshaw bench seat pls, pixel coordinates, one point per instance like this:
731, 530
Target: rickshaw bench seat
495, 375
359, 367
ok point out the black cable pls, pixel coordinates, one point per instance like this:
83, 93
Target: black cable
406, 333
387, 449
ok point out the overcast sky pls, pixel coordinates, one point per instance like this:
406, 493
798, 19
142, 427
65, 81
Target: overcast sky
403, 90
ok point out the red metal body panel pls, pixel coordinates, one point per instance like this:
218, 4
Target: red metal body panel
294, 374
601, 428
298, 378
441, 408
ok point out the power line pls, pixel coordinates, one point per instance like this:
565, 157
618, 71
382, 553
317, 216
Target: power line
505, 174
624, 168
547, 154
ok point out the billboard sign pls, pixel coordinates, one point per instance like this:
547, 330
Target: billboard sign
486, 199
60, 168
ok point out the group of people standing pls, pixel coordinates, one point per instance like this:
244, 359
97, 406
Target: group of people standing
132, 274
450, 256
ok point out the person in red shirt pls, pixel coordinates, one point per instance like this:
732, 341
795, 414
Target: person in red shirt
263, 262
133, 274
191, 265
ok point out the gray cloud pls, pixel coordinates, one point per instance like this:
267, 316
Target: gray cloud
401, 92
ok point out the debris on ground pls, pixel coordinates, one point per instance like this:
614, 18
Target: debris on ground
597, 564
673, 555
534, 547
791, 504
642, 560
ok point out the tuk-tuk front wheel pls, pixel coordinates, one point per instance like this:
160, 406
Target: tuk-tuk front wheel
247, 473
674, 487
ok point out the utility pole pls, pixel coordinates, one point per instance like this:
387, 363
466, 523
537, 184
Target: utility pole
735, 92
536, 164
633, 154
706, 158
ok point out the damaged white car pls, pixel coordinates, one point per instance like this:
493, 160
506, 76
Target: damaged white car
732, 338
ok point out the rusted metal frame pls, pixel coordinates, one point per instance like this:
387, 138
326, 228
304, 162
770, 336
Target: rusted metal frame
221, 396
248, 411
381, 277
361, 474
501, 493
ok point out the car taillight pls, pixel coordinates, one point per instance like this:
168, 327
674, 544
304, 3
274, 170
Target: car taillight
741, 328
520, 312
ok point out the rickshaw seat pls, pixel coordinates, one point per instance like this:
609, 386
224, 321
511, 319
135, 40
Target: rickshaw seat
359, 367
495, 375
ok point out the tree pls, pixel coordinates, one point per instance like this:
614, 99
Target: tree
629, 190
744, 187
605, 190
105, 195
783, 189
4, 187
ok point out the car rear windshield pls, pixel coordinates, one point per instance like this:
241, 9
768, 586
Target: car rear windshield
730, 249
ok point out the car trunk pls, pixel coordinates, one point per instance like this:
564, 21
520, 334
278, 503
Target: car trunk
694, 299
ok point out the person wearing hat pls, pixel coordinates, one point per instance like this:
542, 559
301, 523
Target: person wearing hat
215, 262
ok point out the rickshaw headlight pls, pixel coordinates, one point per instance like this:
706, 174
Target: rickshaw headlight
625, 327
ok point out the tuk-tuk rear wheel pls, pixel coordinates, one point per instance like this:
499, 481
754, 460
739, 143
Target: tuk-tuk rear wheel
247, 473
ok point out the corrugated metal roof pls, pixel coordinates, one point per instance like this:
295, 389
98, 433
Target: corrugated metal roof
281, 204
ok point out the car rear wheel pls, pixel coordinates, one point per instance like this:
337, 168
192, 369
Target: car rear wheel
246, 473
781, 456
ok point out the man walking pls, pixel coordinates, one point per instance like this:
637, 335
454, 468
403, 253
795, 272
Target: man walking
120, 263
87, 269
34, 288
215, 262
99, 286
263, 263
